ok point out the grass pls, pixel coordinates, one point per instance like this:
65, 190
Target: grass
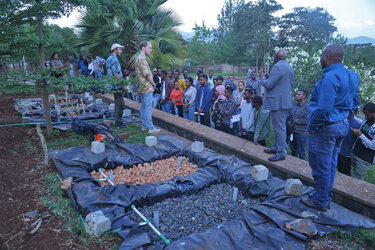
53, 198
360, 237
29, 147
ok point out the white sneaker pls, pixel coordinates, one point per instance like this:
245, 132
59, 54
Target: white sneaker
154, 131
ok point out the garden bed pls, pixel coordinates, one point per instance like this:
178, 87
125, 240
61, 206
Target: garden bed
195, 213
160, 170
262, 225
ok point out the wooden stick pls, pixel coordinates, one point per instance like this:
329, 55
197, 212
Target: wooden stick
44, 144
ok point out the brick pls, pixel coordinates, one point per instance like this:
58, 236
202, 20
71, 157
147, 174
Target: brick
151, 141
259, 173
293, 187
197, 146
126, 112
97, 223
97, 147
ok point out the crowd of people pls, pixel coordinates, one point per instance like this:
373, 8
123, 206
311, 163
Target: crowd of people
90, 66
326, 125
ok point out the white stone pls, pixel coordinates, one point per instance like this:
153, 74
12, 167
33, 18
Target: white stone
99, 101
197, 146
87, 94
112, 106
151, 141
126, 112
97, 147
293, 187
259, 173
97, 223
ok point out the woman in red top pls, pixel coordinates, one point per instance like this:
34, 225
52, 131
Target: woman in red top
175, 98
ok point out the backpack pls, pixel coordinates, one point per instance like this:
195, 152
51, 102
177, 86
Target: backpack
289, 124
92, 129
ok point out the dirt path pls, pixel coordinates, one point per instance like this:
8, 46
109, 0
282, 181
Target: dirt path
21, 184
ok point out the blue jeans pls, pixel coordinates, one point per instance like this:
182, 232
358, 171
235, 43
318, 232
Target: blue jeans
190, 113
166, 107
155, 101
323, 149
297, 146
146, 110
99, 75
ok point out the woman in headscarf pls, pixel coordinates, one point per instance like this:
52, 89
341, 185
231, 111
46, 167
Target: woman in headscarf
217, 111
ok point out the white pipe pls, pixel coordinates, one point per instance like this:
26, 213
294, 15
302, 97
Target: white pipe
100, 170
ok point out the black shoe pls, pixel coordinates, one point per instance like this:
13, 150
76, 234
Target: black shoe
311, 203
311, 196
277, 158
269, 151
121, 125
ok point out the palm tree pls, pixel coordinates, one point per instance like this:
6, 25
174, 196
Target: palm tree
139, 20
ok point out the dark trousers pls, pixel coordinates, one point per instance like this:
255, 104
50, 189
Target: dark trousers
250, 137
298, 145
344, 165
119, 106
205, 119
227, 129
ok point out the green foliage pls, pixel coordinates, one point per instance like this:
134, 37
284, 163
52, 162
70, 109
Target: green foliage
360, 53
24, 42
306, 28
201, 49
362, 237
366, 84
133, 21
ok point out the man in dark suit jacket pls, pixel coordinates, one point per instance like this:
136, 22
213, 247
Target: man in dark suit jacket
278, 100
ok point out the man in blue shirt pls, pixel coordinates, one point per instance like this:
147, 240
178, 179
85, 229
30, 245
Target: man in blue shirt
333, 100
114, 70
203, 100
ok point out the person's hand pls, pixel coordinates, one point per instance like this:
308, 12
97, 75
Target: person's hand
356, 132
200, 110
311, 133
262, 73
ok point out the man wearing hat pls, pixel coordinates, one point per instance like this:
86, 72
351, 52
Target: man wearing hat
114, 69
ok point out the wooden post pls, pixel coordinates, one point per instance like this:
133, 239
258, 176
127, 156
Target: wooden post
44, 144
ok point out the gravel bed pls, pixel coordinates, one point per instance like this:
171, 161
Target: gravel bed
160, 170
194, 213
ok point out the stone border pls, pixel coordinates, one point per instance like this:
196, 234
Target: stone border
356, 195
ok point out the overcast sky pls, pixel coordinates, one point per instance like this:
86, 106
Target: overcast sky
353, 17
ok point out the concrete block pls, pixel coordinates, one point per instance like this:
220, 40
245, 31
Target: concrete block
112, 106
151, 141
197, 146
97, 147
259, 173
97, 223
293, 187
126, 112
99, 101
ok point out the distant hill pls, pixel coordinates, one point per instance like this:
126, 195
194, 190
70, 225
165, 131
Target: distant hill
361, 40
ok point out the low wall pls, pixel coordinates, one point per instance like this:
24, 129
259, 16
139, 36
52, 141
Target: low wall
356, 195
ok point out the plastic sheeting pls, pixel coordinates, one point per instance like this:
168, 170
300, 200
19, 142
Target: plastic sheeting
262, 227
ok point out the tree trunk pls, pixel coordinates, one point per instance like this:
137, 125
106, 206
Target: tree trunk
256, 67
47, 113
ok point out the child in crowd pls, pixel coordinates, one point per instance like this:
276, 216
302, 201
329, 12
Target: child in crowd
363, 154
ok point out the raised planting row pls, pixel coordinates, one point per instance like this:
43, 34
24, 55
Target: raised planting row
195, 213
160, 170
